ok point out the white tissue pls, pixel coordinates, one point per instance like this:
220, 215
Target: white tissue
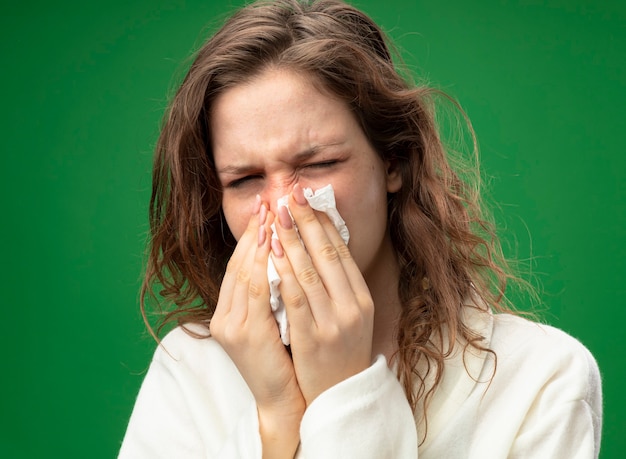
322, 200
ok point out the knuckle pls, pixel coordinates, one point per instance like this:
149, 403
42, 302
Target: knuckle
308, 276
329, 253
232, 335
296, 300
357, 317
295, 243
366, 304
343, 251
353, 319
243, 275
255, 290
216, 328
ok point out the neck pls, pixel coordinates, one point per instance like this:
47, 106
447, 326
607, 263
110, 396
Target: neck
382, 281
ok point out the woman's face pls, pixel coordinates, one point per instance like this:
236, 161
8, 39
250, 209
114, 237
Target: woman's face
278, 130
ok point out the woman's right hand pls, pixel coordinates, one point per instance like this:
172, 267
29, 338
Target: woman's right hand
245, 327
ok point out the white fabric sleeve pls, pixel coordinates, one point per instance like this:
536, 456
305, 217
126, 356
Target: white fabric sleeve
175, 417
366, 416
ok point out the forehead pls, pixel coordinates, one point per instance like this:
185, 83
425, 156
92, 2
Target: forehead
277, 112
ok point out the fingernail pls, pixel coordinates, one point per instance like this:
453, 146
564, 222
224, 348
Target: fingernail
257, 205
298, 194
277, 248
262, 215
262, 235
284, 218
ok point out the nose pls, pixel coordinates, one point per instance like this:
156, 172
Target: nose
272, 192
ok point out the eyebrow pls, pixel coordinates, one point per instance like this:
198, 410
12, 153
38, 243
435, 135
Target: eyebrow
298, 157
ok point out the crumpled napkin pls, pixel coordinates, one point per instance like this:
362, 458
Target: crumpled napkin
322, 200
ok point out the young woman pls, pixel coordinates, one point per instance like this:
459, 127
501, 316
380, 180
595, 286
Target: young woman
400, 344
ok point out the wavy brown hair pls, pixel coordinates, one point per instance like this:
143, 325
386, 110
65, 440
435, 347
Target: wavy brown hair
446, 249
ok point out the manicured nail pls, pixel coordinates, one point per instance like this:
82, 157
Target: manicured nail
257, 205
277, 248
298, 195
284, 218
262, 215
262, 235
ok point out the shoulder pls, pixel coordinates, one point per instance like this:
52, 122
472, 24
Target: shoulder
544, 353
513, 334
189, 351
191, 400
186, 342
548, 384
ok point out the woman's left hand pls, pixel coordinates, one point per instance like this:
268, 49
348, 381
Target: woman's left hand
328, 303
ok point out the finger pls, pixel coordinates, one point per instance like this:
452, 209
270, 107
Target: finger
246, 242
353, 273
322, 251
251, 276
294, 298
258, 287
301, 265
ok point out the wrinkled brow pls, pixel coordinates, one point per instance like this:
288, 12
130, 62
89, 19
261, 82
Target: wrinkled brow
302, 156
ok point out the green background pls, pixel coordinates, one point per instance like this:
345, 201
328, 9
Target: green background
84, 86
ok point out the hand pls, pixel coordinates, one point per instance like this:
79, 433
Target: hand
245, 327
328, 303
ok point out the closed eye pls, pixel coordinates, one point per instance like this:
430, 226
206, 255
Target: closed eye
242, 180
321, 165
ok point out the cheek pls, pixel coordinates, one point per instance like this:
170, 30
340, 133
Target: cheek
360, 201
237, 217
364, 208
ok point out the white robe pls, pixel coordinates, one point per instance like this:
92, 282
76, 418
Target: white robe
544, 401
